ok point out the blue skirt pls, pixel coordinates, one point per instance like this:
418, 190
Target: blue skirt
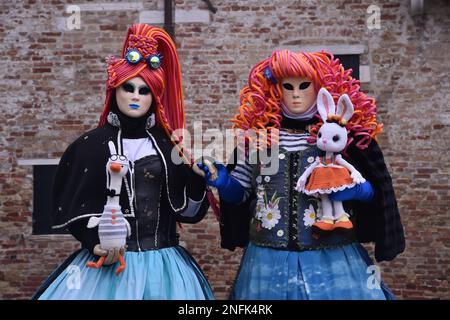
340, 273
164, 274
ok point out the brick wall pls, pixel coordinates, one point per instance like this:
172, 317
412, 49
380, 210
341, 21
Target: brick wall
53, 89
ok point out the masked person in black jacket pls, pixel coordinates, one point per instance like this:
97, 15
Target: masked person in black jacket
143, 106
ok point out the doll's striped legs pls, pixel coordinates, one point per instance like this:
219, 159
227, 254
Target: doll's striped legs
326, 222
338, 209
327, 208
341, 217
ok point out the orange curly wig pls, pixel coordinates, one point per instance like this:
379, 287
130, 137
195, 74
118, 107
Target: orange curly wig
260, 100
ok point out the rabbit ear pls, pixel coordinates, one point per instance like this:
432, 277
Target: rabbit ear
345, 107
325, 104
112, 148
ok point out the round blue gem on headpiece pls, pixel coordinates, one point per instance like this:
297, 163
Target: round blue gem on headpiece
133, 56
154, 61
268, 74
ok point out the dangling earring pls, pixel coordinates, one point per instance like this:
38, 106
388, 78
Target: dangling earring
150, 121
113, 119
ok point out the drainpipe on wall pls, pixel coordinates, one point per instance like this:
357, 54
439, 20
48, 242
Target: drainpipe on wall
168, 18
210, 6
416, 7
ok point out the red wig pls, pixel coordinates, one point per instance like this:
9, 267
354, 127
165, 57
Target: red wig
164, 82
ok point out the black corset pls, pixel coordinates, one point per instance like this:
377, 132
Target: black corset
153, 226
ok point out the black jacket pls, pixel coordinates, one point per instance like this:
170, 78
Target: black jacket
80, 184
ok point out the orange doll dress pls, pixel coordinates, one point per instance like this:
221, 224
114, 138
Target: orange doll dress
328, 177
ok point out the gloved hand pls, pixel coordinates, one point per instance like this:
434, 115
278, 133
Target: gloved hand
361, 192
217, 175
112, 256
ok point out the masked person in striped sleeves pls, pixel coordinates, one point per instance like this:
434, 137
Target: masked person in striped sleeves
284, 257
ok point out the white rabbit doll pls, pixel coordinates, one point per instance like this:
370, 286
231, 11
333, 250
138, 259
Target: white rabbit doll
331, 173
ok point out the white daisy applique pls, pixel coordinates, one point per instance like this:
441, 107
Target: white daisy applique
267, 211
311, 214
270, 216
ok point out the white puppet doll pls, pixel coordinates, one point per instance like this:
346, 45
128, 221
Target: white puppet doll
113, 228
331, 173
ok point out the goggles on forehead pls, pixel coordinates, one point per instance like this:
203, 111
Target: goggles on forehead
133, 56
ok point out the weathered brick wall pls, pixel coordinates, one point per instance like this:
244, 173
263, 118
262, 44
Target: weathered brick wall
53, 89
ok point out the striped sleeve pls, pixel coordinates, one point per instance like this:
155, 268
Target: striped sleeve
293, 142
242, 172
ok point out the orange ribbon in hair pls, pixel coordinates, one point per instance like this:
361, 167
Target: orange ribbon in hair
336, 118
145, 45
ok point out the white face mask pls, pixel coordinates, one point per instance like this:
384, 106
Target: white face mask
299, 95
134, 98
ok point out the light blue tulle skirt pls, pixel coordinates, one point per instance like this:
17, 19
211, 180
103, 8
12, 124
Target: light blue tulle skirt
340, 273
164, 274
